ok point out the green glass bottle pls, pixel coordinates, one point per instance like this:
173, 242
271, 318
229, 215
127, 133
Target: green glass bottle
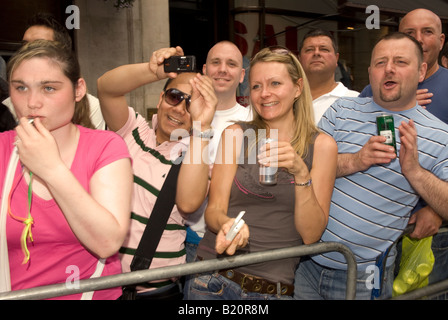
386, 128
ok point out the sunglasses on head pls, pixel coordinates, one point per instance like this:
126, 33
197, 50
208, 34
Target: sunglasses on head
174, 97
279, 50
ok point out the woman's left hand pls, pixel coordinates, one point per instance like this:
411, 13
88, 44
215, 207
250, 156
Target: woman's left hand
281, 154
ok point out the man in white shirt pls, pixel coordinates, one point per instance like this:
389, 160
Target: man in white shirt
224, 65
319, 56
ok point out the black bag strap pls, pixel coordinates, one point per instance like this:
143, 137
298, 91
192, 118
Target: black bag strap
157, 221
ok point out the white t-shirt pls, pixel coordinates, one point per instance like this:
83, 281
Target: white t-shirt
221, 120
322, 103
224, 118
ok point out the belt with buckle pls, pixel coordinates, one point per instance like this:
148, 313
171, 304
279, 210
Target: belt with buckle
255, 284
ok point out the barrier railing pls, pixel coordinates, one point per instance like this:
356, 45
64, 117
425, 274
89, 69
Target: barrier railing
428, 291
135, 277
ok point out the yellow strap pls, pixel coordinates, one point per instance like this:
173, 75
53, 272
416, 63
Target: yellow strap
26, 234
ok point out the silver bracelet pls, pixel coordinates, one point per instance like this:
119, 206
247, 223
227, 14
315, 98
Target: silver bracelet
305, 184
206, 135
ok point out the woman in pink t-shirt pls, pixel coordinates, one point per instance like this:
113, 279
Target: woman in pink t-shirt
69, 204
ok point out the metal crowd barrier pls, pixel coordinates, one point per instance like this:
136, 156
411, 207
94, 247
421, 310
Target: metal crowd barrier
425, 292
135, 277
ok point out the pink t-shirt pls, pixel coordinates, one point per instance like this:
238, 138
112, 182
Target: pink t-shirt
56, 254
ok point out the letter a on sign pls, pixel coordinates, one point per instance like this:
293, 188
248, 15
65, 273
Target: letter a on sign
373, 21
72, 281
72, 21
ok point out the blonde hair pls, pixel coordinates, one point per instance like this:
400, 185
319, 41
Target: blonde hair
68, 63
305, 127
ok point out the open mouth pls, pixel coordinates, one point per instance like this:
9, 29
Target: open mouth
389, 84
175, 121
269, 104
221, 80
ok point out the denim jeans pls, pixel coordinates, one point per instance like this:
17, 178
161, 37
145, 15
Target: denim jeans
315, 282
440, 249
213, 286
191, 248
440, 271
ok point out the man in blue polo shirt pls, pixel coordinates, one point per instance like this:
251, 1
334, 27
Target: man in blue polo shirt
426, 27
377, 189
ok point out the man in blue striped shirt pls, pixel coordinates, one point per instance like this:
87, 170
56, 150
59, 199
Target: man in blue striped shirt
377, 189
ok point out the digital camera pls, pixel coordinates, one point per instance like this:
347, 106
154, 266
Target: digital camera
180, 64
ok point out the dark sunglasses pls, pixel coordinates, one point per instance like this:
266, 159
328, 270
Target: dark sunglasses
174, 97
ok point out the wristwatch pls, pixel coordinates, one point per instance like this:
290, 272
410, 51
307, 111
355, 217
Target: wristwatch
207, 134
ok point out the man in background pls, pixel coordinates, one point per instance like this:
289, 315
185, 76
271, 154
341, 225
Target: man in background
319, 56
224, 65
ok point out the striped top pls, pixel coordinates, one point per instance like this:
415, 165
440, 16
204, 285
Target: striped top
151, 164
370, 209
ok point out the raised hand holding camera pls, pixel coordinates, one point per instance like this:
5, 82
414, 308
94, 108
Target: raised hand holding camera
180, 64
156, 63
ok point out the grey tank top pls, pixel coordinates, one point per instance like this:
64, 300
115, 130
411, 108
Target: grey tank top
269, 216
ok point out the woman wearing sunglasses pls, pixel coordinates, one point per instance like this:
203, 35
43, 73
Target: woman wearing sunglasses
288, 213
187, 97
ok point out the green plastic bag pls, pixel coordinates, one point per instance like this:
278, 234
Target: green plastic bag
417, 261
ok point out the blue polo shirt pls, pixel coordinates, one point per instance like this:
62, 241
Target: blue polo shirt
370, 209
